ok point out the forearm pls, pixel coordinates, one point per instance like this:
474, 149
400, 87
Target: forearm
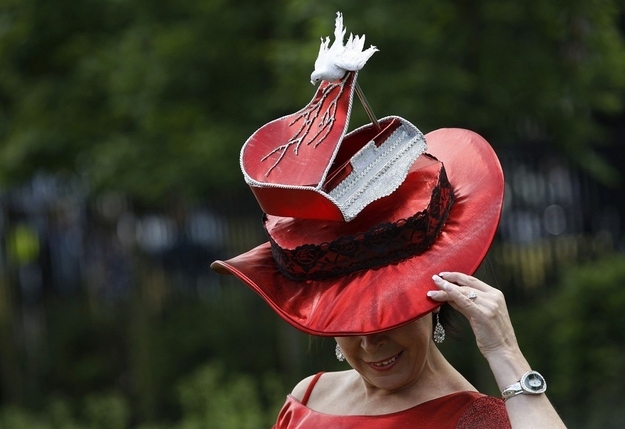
487, 313
524, 411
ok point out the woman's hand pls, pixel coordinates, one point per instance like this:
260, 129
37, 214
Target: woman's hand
484, 307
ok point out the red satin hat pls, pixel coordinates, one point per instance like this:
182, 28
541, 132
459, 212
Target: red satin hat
359, 222
333, 277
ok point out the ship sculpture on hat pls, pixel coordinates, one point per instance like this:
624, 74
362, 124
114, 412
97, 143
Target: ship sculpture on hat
306, 165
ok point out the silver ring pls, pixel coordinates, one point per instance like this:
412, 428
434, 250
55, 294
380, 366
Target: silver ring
472, 295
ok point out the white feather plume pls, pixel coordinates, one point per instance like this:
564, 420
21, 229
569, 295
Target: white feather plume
334, 61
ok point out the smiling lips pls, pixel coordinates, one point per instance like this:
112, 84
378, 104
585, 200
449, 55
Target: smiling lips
384, 364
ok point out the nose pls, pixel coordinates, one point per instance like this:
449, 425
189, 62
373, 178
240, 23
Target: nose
371, 343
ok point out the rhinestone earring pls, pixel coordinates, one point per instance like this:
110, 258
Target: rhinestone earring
439, 331
339, 353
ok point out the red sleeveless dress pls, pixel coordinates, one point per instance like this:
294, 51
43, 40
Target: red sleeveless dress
460, 410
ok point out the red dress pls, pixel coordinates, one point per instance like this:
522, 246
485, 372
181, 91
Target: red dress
460, 410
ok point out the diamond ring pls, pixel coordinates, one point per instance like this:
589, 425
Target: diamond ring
472, 295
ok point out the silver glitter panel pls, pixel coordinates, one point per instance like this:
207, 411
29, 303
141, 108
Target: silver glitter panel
378, 171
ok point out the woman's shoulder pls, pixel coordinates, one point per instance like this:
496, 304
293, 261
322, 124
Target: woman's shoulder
300, 388
322, 383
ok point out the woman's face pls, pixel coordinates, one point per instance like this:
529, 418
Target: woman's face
391, 360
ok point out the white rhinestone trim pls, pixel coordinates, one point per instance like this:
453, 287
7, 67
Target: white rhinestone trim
378, 171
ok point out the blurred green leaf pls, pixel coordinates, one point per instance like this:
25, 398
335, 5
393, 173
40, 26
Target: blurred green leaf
156, 99
576, 334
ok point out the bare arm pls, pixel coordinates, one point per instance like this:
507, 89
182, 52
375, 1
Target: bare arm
489, 319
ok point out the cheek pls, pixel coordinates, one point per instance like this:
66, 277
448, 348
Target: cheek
347, 345
351, 349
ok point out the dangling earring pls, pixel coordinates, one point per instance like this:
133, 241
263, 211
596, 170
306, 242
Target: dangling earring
439, 331
339, 353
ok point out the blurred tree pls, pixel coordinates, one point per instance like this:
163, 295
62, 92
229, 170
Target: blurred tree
208, 397
107, 411
146, 98
156, 98
576, 334
209, 400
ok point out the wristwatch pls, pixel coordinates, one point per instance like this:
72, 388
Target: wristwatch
532, 383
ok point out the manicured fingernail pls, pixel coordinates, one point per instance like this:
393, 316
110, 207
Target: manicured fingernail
432, 293
440, 282
443, 273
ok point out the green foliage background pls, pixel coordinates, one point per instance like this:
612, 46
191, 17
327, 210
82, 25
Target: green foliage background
577, 333
153, 100
156, 98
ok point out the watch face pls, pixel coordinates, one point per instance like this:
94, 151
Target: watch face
534, 382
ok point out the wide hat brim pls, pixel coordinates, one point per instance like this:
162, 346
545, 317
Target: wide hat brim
387, 297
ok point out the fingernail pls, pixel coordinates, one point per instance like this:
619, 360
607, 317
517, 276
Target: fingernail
443, 273
440, 282
432, 293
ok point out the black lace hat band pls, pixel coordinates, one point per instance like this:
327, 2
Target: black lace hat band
383, 244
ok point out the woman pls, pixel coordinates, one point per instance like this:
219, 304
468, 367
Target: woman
370, 233
402, 379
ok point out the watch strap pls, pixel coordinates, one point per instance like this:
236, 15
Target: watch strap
512, 391
521, 387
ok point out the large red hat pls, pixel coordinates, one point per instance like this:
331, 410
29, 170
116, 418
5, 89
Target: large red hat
359, 222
